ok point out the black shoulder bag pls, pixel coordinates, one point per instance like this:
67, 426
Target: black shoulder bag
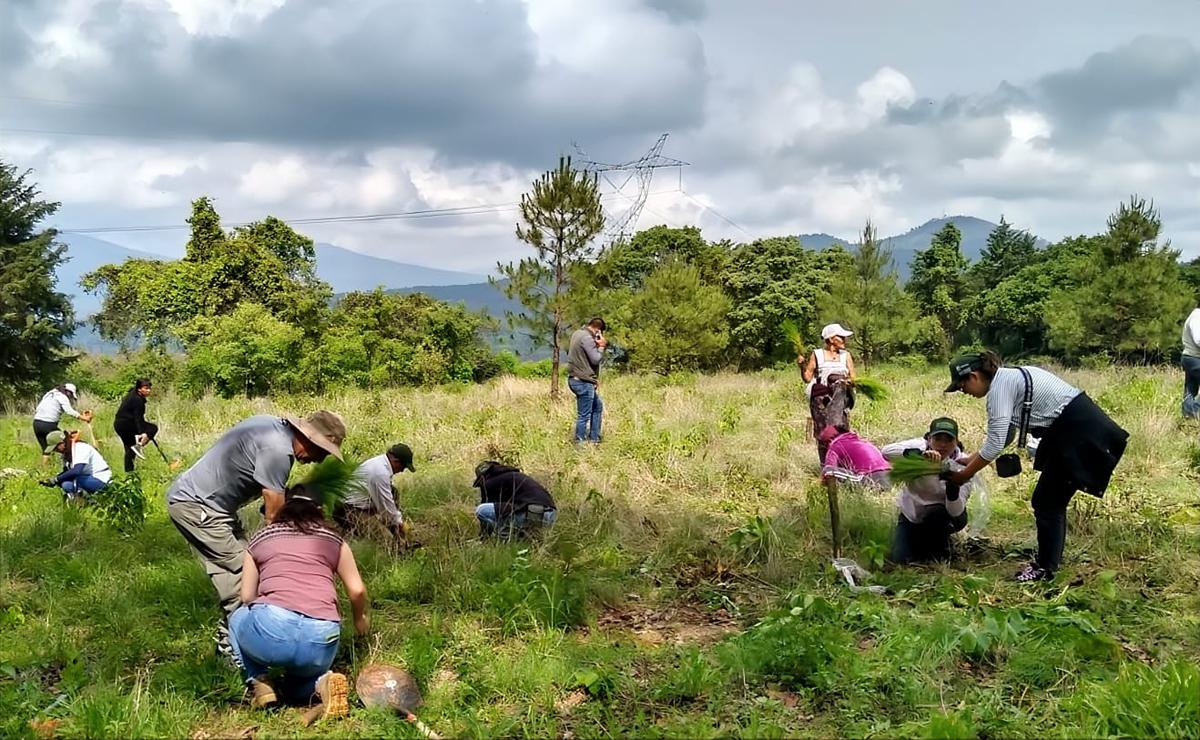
1009, 465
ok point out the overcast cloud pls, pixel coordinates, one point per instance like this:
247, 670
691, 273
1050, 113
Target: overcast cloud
796, 117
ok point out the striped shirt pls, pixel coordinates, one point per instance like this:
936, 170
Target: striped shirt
1051, 394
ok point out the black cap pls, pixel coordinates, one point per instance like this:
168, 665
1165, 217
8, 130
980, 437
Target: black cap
403, 453
961, 367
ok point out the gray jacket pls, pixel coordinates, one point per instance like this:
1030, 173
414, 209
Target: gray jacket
583, 357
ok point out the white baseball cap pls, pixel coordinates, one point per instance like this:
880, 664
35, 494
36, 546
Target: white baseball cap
835, 330
70, 387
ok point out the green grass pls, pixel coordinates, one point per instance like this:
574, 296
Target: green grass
685, 591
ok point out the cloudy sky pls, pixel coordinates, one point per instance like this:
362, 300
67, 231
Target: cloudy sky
795, 116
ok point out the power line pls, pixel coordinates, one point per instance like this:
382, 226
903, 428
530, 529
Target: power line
477, 210
716, 213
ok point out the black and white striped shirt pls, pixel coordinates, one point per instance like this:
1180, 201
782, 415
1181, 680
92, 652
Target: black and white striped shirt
1051, 394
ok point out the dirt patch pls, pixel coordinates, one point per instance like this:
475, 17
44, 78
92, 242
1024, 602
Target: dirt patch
677, 625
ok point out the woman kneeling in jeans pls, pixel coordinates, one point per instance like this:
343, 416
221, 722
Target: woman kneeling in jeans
289, 615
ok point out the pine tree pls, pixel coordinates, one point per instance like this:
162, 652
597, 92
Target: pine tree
939, 279
561, 216
35, 319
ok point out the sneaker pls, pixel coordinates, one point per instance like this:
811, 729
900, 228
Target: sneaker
1032, 572
262, 695
137, 451
334, 690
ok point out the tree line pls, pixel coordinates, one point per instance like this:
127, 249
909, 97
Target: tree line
251, 316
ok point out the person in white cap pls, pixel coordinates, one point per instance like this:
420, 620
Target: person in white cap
251, 460
58, 400
829, 373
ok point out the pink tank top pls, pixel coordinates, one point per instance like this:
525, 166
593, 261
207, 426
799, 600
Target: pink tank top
296, 570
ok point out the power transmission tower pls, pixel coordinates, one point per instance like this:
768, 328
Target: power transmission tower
621, 176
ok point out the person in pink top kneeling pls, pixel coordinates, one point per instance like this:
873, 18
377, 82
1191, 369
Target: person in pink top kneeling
853, 459
289, 615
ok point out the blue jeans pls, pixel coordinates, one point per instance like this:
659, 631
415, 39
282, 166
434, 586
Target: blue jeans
1191, 385
486, 513
82, 485
265, 636
590, 408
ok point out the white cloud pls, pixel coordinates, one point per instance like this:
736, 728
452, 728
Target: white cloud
886, 87
274, 181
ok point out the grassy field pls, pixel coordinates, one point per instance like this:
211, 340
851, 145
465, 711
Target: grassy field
685, 591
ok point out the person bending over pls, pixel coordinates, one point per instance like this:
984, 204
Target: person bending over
852, 459
512, 504
373, 494
84, 469
57, 401
130, 422
251, 460
289, 620
931, 509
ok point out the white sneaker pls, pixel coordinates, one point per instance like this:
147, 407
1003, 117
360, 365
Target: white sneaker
137, 451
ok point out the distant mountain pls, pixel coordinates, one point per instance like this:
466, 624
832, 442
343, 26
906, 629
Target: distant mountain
343, 269
346, 270
87, 253
904, 247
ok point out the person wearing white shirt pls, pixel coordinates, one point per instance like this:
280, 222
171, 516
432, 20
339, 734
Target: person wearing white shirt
373, 494
84, 469
1190, 360
931, 510
57, 401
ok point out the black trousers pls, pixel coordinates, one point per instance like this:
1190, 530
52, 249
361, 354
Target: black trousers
1050, 498
41, 429
929, 539
128, 437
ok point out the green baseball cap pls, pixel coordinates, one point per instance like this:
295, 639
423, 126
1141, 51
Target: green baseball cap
404, 454
53, 439
961, 367
943, 425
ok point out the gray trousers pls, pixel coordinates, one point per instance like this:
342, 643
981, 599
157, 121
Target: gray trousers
219, 542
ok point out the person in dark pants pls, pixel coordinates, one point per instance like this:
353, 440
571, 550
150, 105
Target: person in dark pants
1190, 360
584, 353
511, 503
130, 423
931, 510
1079, 446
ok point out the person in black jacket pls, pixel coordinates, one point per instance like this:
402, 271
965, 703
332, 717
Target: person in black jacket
131, 425
511, 502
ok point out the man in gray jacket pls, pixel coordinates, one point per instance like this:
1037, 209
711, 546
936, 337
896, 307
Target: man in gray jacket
583, 378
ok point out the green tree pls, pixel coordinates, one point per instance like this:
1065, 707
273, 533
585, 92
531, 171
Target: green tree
867, 297
35, 319
266, 263
1007, 251
772, 282
1130, 298
247, 351
561, 216
1009, 315
939, 279
677, 321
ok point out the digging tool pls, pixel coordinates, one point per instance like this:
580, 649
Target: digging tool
383, 685
91, 434
171, 464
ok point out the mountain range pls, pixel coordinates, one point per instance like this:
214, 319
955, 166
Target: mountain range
905, 246
346, 270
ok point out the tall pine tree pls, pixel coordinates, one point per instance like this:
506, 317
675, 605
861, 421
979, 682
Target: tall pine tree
35, 319
939, 280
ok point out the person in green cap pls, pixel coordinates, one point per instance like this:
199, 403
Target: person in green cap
1079, 445
374, 495
84, 470
931, 509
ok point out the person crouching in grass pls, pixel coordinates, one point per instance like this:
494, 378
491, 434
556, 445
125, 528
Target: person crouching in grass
84, 469
511, 503
931, 510
289, 616
853, 459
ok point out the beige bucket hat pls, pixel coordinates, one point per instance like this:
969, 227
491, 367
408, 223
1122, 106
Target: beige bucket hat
325, 429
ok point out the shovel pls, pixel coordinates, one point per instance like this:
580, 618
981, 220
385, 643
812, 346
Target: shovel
383, 685
170, 465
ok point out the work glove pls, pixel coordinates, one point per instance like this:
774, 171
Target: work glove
952, 489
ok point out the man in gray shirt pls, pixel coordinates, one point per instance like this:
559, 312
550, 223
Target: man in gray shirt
251, 460
584, 353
